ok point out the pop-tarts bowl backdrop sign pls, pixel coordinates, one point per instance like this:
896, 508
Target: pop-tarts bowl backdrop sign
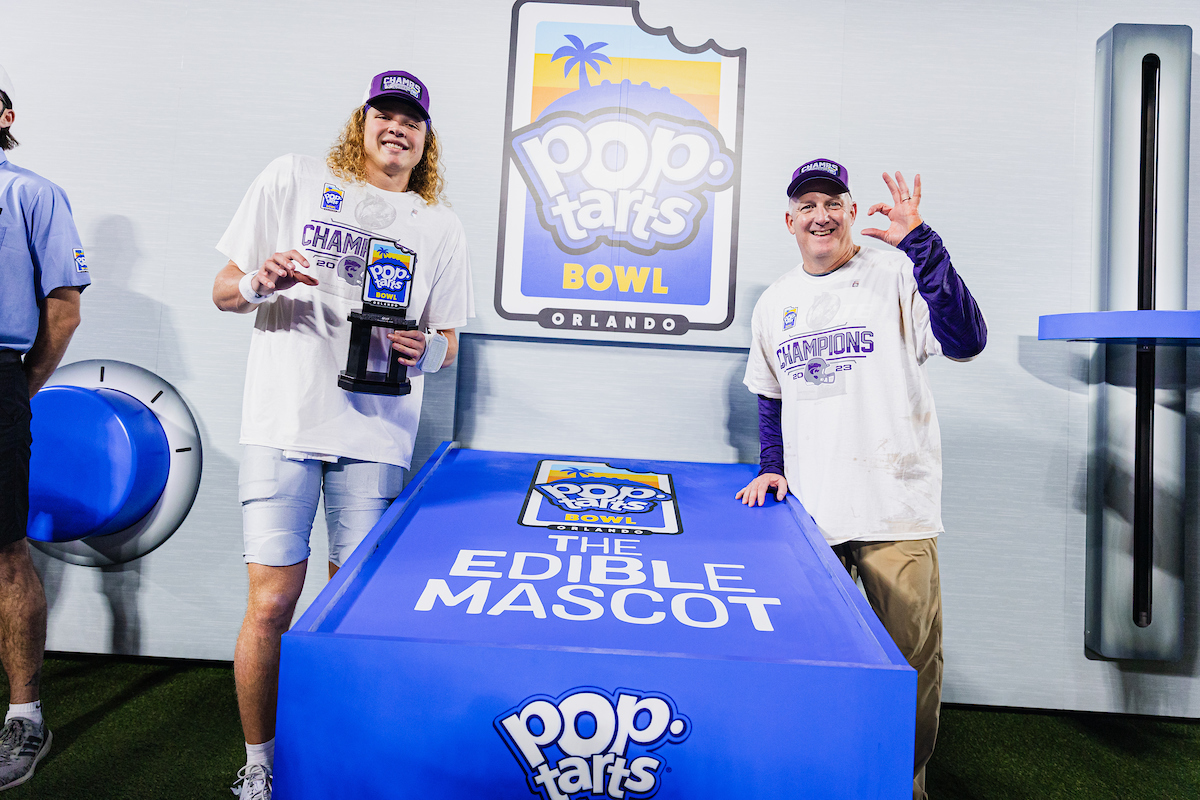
619, 195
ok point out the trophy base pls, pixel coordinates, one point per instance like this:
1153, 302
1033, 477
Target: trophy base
373, 383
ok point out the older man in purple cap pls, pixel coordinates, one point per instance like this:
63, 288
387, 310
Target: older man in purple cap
297, 250
860, 447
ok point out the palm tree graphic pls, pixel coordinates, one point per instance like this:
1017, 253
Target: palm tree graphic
583, 57
576, 472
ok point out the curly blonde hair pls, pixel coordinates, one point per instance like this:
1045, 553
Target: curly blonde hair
348, 160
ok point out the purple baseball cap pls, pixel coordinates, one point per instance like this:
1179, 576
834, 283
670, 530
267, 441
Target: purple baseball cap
822, 169
400, 86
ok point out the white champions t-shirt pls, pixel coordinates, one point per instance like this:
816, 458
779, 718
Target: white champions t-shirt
846, 352
301, 335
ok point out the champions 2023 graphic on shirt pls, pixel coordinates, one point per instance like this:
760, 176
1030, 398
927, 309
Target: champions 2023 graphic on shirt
619, 195
589, 743
592, 496
824, 353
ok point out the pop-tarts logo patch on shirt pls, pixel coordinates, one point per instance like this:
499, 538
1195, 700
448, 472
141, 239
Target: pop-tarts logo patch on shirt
331, 198
80, 261
789, 317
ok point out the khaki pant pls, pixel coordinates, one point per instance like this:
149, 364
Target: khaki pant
902, 585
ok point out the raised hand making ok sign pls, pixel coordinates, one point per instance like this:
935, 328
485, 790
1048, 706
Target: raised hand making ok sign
902, 213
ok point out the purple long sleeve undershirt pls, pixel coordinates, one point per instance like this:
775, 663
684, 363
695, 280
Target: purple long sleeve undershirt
954, 315
770, 435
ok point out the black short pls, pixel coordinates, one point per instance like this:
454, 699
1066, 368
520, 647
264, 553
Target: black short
14, 448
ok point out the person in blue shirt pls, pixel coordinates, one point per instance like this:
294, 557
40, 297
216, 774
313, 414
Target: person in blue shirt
43, 271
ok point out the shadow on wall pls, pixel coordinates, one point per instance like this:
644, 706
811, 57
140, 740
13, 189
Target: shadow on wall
115, 304
472, 388
741, 422
437, 416
120, 584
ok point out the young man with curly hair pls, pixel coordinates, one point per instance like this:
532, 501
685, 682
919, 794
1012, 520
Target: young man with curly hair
297, 251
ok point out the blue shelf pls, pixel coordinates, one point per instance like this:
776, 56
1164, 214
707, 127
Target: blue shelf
1123, 327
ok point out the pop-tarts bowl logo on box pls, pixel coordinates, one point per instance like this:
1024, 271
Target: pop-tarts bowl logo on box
331, 198
390, 268
619, 195
589, 743
594, 496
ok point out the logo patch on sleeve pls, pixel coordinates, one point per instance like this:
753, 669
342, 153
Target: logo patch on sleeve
331, 198
80, 261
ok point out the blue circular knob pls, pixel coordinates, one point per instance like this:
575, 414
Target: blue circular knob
99, 463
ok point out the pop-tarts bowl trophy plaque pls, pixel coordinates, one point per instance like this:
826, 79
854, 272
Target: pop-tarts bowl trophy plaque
387, 291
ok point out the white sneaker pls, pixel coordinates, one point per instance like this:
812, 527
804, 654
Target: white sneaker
23, 743
253, 783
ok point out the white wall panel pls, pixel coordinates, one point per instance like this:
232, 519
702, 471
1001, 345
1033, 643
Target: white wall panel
598, 400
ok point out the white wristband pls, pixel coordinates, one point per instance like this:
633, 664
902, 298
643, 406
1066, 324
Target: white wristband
251, 296
436, 345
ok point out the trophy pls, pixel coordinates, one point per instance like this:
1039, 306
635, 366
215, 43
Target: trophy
387, 291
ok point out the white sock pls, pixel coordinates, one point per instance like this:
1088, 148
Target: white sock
261, 754
32, 711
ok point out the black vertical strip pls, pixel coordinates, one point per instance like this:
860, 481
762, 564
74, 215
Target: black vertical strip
1143, 457
1148, 183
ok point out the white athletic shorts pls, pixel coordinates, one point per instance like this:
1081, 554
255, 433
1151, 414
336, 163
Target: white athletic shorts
279, 502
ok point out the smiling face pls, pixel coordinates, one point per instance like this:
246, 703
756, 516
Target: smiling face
821, 223
394, 139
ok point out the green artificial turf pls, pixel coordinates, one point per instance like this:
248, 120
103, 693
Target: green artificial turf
136, 728
149, 728
990, 754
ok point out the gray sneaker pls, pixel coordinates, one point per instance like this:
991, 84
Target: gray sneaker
253, 783
23, 743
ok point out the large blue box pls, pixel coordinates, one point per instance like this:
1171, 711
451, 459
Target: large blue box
523, 625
